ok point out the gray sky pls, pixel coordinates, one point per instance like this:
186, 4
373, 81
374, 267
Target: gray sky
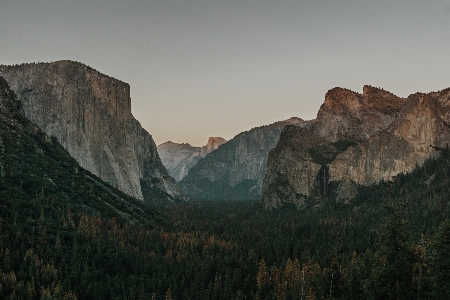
217, 68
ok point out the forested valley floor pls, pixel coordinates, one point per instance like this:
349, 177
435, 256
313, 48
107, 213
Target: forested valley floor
64, 236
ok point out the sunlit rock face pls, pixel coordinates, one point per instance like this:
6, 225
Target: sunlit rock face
357, 139
349, 115
180, 158
90, 114
213, 144
236, 169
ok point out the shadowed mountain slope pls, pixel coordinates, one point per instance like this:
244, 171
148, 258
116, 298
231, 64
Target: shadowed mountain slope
236, 169
35, 166
90, 115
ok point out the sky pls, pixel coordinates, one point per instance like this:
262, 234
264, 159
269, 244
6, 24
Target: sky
219, 67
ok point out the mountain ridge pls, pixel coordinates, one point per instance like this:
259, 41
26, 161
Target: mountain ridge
368, 137
236, 169
180, 158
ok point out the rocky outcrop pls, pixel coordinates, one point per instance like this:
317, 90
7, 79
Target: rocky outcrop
213, 144
236, 169
357, 139
351, 116
180, 158
90, 114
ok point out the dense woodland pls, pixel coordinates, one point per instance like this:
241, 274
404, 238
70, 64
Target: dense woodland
66, 235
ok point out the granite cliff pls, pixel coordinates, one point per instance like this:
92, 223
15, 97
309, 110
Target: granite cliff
180, 158
236, 169
357, 139
35, 169
90, 115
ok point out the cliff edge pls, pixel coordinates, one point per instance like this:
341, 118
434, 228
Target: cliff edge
90, 114
357, 139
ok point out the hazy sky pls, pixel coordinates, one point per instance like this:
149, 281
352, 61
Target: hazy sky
217, 68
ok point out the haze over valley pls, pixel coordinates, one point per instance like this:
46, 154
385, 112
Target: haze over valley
195, 66
224, 150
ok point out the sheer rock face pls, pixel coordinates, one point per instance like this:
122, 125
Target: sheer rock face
180, 158
213, 144
90, 114
356, 140
291, 169
236, 169
9, 105
349, 115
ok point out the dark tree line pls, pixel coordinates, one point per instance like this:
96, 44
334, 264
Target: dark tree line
64, 237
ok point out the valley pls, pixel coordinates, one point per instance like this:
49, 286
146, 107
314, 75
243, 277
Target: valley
350, 205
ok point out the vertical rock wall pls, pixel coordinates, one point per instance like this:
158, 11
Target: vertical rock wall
359, 139
90, 114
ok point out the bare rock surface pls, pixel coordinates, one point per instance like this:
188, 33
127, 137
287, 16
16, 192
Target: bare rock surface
348, 115
90, 114
357, 139
180, 158
213, 144
236, 169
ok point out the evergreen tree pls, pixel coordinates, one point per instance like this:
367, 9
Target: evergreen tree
440, 262
262, 280
393, 268
353, 286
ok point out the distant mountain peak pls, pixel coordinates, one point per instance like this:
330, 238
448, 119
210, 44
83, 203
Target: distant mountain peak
236, 169
180, 158
173, 144
213, 144
294, 120
213, 139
